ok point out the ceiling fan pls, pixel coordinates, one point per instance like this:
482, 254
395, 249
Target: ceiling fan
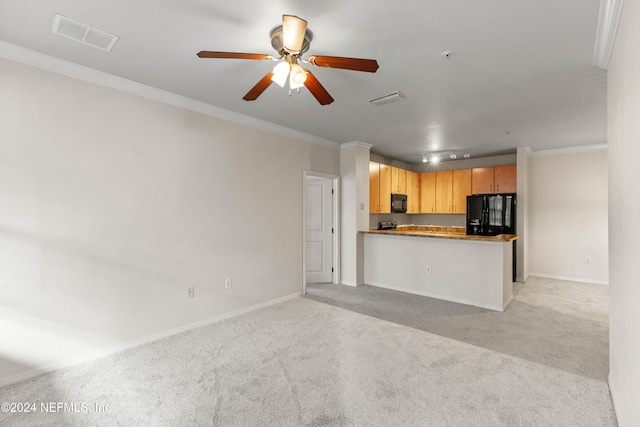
291, 40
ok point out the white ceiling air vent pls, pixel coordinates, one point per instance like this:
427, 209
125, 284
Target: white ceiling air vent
83, 33
385, 99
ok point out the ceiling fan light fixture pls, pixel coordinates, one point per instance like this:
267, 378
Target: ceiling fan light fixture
298, 75
293, 84
280, 73
293, 31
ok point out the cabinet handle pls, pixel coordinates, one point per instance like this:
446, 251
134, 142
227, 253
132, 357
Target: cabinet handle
497, 188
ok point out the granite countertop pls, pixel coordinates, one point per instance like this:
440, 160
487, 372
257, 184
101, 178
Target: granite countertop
440, 232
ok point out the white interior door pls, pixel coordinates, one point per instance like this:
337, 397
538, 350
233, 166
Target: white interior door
319, 230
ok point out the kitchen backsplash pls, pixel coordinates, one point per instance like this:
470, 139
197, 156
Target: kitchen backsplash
449, 220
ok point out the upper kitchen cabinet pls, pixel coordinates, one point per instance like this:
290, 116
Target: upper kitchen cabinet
398, 180
498, 179
428, 192
413, 192
444, 191
481, 180
505, 179
374, 187
379, 188
461, 189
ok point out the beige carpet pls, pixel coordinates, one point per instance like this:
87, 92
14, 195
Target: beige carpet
305, 362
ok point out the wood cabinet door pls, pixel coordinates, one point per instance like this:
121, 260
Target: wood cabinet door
444, 191
395, 172
413, 192
415, 205
505, 179
481, 180
398, 180
428, 192
374, 187
461, 189
385, 188
402, 181
409, 193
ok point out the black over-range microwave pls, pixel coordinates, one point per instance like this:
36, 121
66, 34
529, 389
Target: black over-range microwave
398, 203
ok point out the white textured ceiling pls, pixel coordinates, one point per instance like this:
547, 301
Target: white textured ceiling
520, 74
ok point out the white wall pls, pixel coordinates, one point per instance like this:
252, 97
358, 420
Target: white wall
567, 216
399, 263
354, 195
111, 205
522, 218
624, 214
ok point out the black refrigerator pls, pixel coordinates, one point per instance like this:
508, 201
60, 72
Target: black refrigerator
493, 214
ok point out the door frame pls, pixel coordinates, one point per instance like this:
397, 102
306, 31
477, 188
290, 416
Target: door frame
336, 225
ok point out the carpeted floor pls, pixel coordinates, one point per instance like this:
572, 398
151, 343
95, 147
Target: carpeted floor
364, 357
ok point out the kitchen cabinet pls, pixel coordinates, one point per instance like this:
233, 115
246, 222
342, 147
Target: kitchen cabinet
428, 192
379, 188
444, 191
491, 180
461, 189
436, 192
481, 180
505, 179
413, 192
374, 187
398, 180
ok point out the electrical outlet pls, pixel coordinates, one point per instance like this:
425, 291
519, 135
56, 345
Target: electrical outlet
428, 269
587, 260
191, 292
227, 284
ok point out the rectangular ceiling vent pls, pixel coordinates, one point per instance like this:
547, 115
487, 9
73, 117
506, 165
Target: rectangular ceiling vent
392, 97
67, 27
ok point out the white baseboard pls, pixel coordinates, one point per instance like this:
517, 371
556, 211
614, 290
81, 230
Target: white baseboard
506, 304
570, 279
108, 351
437, 296
352, 284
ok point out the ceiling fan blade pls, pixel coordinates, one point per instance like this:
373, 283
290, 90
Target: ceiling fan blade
260, 87
355, 64
234, 55
317, 89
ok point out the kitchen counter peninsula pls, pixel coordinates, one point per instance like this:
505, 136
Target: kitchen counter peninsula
443, 263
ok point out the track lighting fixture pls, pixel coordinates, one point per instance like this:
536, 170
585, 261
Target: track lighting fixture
436, 156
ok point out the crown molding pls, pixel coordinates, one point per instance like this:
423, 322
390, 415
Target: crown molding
358, 144
527, 150
90, 75
608, 20
569, 150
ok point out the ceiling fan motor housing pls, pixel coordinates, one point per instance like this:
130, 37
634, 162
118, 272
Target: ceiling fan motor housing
278, 44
